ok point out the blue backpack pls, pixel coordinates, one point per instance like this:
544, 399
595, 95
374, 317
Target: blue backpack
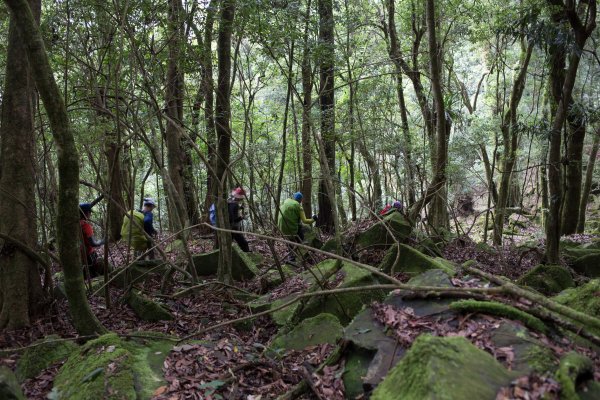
212, 214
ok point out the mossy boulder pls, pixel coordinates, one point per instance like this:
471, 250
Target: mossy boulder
43, 354
323, 328
146, 309
9, 386
573, 253
588, 265
547, 279
243, 266
112, 368
330, 246
431, 277
499, 309
355, 369
530, 355
377, 235
412, 261
273, 278
583, 298
311, 239
343, 305
444, 368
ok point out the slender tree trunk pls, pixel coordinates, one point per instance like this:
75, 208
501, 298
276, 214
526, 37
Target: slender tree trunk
209, 87
21, 294
394, 52
326, 100
223, 130
510, 138
68, 168
306, 123
179, 172
589, 174
437, 187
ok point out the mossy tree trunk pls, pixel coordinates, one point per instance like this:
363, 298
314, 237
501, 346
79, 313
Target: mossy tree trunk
574, 171
21, 294
68, 229
223, 129
561, 86
307, 81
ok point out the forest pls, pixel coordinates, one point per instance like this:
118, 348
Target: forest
299, 199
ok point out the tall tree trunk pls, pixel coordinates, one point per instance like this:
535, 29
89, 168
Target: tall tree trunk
395, 56
438, 184
589, 174
68, 168
510, 138
223, 129
306, 123
326, 100
21, 294
574, 171
178, 170
209, 87
561, 91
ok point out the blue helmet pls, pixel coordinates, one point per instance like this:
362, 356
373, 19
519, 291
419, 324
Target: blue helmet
85, 207
297, 196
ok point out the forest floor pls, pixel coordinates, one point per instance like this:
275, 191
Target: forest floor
237, 359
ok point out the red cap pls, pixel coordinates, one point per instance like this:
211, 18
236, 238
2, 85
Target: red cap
238, 193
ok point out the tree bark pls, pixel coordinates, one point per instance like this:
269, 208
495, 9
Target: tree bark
223, 130
589, 174
326, 100
574, 171
68, 168
306, 123
438, 184
21, 294
510, 138
209, 87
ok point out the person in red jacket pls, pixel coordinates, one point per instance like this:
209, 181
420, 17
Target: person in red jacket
88, 253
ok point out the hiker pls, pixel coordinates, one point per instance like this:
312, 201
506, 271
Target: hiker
290, 217
396, 206
94, 265
136, 225
235, 217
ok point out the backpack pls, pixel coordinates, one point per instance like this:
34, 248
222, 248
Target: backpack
212, 214
137, 239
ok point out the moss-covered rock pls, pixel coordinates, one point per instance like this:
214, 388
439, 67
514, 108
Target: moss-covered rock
530, 355
573, 253
273, 278
243, 266
43, 354
412, 261
432, 277
355, 368
583, 298
443, 369
588, 265
9, 387
343, 305
311, 239
378, 235
573, 370
111, 368
547, 279
499, 309
330, 246
146, 309
323, 328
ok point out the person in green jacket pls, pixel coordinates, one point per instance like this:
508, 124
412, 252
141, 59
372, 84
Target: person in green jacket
291, 216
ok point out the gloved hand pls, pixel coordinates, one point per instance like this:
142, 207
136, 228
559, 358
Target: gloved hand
315, 218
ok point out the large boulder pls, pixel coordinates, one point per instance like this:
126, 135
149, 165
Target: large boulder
42, 354
378, 236
444, 368
547, 279
243, 266
323, 328
112, 368
588, 265
412, 261
9, 386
